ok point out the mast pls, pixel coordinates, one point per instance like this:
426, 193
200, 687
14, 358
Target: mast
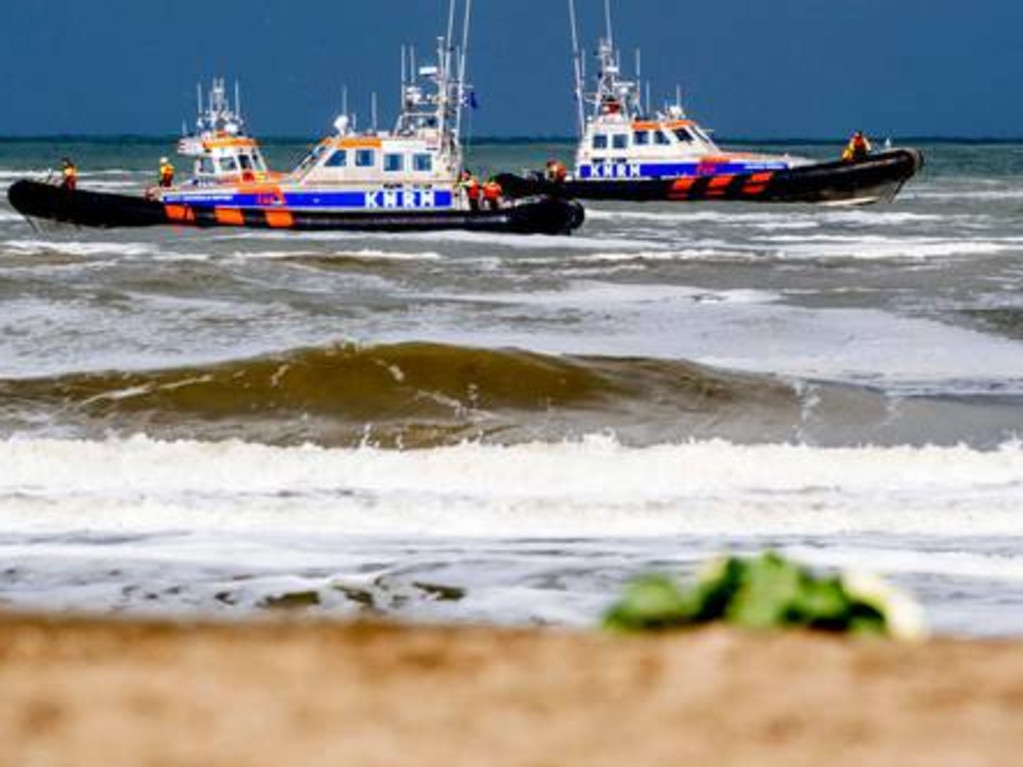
404, 78
463, 58
577, 67
639, 81
610, 27
449, 40
444, 60
443, 90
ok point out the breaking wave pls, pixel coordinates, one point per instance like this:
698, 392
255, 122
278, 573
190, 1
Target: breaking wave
413, 395
590, 487
422, 395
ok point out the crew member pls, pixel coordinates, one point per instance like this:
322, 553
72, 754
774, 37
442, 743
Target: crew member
69, 175
858, 148
556, 172
166, 173
471, 185
492, 193
611, 106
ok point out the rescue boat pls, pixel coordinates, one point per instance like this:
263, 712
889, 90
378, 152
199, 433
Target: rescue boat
407, 179
628, 151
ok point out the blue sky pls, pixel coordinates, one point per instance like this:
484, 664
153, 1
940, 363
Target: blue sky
773, 68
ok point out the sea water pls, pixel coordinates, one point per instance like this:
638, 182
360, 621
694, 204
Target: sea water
506, 429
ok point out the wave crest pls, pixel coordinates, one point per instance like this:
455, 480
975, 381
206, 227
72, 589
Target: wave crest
411, 394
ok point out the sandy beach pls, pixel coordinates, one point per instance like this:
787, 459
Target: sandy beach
90, 692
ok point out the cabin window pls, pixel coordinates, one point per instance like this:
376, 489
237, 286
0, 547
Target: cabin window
228, 165
366, 158
684, 136
337, 160
620, 141
206, 166
600, 141
661, 138
699, 132
245, 161
641, 138
394, 163
422, 163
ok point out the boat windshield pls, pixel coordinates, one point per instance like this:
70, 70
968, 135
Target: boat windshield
312, 158
699, 132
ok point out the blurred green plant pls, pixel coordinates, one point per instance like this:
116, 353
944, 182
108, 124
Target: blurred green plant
767, 592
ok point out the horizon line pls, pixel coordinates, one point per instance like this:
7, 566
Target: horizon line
518, 139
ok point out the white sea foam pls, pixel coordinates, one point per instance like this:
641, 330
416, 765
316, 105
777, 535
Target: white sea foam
366, 254
683, 254
878, 247
77, 248
960, 564
14, 175
512, 241
590, 488
773, 218
590, 294
756, 334
972, 195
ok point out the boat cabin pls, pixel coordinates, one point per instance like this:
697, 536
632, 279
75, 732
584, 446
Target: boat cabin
222, 152
415, 165
367, 159
622, 138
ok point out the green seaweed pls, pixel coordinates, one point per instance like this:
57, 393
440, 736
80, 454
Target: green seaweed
761, 593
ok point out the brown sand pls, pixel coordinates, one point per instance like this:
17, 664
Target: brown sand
92, 693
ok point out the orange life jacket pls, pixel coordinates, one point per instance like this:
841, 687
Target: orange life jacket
491, 190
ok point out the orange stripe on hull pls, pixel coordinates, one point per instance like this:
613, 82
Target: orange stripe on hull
680, 188
718, 185
279, 219
229, 216
757, 184
180, 213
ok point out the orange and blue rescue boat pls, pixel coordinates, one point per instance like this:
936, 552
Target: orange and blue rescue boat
627, 151
408, 179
